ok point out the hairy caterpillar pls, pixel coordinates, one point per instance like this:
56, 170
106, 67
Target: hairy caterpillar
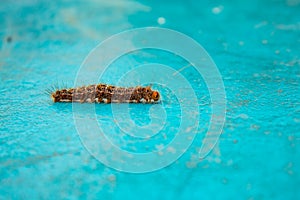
103, 93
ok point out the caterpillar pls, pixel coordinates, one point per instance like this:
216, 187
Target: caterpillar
103, 93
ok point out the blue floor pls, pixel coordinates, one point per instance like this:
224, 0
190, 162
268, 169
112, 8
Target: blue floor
254, 43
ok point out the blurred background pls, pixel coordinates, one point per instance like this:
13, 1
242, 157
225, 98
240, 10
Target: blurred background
254, 43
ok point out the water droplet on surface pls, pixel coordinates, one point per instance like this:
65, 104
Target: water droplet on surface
161, 20
217, 10
111, 178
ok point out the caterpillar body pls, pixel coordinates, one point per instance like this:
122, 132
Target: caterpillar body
103, 93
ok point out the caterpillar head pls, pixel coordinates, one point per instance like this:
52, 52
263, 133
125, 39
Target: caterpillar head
155, 96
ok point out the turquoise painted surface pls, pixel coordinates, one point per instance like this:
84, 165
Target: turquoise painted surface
255, 45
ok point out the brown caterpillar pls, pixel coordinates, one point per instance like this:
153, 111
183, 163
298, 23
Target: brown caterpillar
103, 93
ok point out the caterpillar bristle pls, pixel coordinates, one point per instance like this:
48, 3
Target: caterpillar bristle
103, 93
48, 92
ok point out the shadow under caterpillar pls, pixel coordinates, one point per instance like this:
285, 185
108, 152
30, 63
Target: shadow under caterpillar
103, 93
